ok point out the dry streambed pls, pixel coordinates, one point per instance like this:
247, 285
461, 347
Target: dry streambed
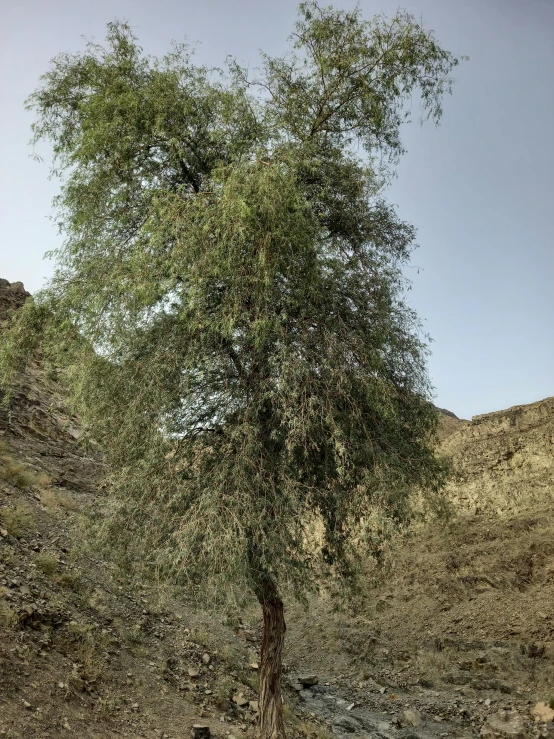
421, 713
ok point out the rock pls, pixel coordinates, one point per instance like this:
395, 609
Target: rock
542, 712
27, 705
347, 723
240, 700
254, 666
254, 706
201, 731
411, 717
504, 725
3, 532
193, 672
308, 680
25, 590
206, 659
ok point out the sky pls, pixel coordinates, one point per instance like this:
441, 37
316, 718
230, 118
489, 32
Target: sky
478, 188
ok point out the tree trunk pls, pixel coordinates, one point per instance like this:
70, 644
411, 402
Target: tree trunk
271, 702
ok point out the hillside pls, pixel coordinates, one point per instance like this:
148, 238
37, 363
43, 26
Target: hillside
505, 460
454, 635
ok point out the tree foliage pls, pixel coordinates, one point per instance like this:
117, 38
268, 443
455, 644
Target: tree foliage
228, 304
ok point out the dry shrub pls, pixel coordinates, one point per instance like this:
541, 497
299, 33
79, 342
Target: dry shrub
225, 687
204, 638
8, 617
86, 650
71, 579
229, 655
18, 474
47, 562
250, 679
18, 521
433, 663
7, 554
49, 499
99, 601
53, 500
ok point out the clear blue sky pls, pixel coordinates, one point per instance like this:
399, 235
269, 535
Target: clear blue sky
479, 189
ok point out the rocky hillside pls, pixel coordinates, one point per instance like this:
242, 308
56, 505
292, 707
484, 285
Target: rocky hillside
504, 460
454, 636
85, 651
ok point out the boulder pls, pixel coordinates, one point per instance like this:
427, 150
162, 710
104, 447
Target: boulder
504, 725
307, 680
346, 723
411, 717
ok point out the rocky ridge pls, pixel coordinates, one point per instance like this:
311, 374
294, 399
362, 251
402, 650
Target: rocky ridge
504, 460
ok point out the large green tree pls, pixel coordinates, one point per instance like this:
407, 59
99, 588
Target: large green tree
228, 308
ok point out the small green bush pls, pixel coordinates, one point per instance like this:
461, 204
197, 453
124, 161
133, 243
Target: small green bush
47, 562
7, 554
70, 579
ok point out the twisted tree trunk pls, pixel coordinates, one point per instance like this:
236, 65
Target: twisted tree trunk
271, 702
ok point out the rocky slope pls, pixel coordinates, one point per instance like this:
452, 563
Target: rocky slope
85, 651
504, 460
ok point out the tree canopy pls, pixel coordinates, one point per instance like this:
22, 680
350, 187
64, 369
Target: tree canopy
230, 257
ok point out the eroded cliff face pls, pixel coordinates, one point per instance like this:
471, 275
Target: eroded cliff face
38, 425
504, 461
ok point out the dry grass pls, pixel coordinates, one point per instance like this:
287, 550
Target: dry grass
433, 664
250, 679
18, 521
8, 617
89, 664
205, 639
230, 656
18, 474
53, 500
224, 689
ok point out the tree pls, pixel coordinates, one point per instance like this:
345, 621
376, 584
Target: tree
228, 308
